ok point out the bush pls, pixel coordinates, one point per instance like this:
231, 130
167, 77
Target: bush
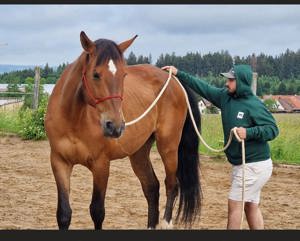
32, 121
271, 105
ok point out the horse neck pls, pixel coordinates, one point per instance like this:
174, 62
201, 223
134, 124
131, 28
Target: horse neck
72, 97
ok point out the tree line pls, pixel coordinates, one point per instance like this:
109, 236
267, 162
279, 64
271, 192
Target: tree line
276, 74
49, 75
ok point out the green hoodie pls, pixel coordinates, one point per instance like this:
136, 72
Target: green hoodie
241, 109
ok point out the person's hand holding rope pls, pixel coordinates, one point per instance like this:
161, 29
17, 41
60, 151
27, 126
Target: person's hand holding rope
167, 68
241, 131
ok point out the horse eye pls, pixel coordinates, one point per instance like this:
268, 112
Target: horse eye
96, 75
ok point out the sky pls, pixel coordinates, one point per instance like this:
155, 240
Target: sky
40, 34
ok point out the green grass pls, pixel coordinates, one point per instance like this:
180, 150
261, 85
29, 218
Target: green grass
285, 148
9, 121
212, 133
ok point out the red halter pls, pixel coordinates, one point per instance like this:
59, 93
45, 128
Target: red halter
90, 94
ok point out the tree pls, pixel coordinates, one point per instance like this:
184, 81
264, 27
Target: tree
160, 61
298, 90
267, 88
259, 89
150, 59
46, 71
13, 88
281, 89
28, 93
131, 60
60, 69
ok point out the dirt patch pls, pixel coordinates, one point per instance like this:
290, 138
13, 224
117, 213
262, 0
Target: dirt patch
28, 192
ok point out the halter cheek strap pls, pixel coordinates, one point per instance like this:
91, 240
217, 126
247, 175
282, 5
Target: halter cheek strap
90, 94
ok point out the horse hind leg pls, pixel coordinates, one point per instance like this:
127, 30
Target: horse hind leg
62, 172
143, 169
170, 163
168, 150
181, 161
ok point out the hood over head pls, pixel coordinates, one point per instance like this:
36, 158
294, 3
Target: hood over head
243, 77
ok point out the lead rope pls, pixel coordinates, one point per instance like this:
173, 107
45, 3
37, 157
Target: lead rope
232, 132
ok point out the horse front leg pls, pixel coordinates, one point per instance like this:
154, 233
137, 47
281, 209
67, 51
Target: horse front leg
100, 171
62, 171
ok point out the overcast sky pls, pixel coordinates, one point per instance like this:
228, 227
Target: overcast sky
39, 34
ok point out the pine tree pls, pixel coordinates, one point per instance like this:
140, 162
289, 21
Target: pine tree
131, 60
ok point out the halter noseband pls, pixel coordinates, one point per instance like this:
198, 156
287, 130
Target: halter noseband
90, 94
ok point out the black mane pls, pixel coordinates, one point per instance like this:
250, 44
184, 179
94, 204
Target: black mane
107, 49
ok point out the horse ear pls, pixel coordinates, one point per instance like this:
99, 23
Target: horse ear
123, 46
87, 44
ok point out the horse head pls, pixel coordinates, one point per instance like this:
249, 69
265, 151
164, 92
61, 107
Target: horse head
103, 77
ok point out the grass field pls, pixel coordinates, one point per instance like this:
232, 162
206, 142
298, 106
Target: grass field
284, 149
9, 119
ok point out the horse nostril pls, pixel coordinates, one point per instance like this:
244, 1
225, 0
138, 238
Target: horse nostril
109, 125
111, 130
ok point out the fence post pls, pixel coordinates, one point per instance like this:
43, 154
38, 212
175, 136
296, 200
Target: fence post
37, 78
253, 62
254, 83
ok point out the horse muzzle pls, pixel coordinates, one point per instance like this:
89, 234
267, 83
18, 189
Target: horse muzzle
111, 130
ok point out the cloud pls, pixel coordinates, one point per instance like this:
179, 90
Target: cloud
37, 34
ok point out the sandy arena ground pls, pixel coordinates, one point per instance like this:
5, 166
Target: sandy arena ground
28, 192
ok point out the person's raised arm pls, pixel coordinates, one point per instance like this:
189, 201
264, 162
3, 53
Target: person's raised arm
209, 92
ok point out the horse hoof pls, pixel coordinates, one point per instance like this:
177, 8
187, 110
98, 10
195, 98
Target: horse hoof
166, 225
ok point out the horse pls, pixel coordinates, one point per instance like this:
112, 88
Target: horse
85, 124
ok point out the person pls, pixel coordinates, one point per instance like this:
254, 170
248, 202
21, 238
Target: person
255, 124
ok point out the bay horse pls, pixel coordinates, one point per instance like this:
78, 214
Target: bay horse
85, 124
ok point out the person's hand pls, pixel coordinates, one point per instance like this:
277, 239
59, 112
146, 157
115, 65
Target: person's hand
167, 68
241, 131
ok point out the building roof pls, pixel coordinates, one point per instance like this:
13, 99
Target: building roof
288, 102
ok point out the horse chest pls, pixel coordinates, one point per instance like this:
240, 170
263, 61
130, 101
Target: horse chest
77, 151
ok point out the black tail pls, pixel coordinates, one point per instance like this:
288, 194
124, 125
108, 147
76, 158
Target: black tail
188, 166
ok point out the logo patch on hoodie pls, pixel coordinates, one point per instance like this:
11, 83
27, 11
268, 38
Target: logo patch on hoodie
240, 115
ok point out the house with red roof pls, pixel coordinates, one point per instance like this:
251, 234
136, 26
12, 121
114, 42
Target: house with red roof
285, 103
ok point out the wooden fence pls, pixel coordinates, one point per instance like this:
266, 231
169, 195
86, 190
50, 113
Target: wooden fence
10, 98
